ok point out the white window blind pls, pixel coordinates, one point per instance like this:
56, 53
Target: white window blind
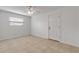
16, 21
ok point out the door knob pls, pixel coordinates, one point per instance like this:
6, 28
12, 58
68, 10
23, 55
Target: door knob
49, 27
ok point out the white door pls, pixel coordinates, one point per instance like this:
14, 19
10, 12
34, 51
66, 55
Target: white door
54, 27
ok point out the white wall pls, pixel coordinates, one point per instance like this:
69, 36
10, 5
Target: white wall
7, 31
69, 26
39, 25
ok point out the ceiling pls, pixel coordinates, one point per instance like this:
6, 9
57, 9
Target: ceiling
44, 9
22, 9
15, 9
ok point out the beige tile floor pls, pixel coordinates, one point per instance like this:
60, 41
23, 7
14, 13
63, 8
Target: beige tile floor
34, 45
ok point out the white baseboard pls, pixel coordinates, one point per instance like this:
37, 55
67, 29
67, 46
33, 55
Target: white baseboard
14, 37
69, 43
40, 37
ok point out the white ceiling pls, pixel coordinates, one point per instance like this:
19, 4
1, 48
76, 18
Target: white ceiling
22, 9
44, 9
15, 9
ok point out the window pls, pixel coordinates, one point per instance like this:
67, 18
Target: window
16, 21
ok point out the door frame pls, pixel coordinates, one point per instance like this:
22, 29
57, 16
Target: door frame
49, 25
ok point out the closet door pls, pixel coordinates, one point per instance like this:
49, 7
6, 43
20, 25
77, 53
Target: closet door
54, 27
